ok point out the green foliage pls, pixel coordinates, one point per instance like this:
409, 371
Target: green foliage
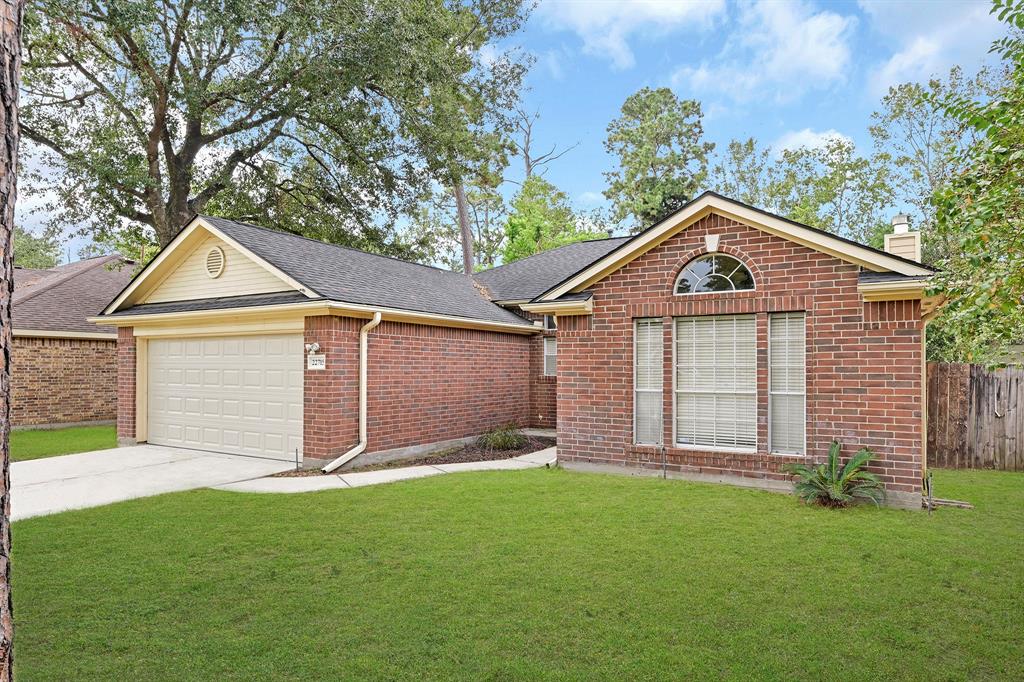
830, 186
323, 118
434, 235
542, 219
925, 143
980, 212
662, 157
35, 251
831, 485
505, 437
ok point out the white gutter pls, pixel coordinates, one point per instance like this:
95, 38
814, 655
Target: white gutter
361, 445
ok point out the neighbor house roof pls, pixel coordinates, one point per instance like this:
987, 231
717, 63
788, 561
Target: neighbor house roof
62, 298
532, 276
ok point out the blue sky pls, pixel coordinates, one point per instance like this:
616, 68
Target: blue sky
787, 73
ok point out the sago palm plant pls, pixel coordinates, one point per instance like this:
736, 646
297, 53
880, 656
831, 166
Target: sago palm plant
832, 485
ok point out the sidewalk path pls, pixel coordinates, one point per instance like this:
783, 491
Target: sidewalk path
305, 484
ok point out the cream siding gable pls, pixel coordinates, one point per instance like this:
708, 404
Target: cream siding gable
241, 276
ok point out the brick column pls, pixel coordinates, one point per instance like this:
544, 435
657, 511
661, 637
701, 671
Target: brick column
125, 386
331, 395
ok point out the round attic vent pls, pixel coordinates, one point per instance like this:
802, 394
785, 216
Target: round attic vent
215, 262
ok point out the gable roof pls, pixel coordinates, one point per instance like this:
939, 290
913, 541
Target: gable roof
524, 279
710, 202
63, 298
339, 274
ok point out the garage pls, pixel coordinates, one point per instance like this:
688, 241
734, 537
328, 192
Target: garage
234, 394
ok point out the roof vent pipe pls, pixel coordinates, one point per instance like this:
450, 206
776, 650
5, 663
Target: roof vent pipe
361, 445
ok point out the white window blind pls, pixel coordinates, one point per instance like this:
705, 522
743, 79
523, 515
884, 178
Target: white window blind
550, 356
716, 382
787, 383
647, 381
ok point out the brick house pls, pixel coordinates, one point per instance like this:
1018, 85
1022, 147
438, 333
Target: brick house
719, 344
63, 367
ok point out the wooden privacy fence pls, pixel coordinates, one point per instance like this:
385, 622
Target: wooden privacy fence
975, 417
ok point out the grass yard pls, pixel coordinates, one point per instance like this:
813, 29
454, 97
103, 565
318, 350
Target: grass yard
36, 443
524, 575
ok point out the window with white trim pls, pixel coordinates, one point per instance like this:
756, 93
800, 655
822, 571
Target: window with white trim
714, 273
787, 383
550, 356
716, 382
647, 381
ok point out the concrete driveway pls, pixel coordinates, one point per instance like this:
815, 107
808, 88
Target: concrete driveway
91, 479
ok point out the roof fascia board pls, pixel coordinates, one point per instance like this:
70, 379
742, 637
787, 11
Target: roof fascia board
709, 203
318, 307
892, 291
585, 307
155, 273
57, 334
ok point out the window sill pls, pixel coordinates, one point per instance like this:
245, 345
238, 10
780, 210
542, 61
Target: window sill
713, 448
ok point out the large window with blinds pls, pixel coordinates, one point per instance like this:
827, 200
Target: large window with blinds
716, 382
787, 383
647, 382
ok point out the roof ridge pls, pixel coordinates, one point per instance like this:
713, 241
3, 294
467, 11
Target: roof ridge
58, 278
547, 251
331, 244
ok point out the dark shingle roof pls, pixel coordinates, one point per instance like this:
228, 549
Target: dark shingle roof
63, 299
530, 277
349, 276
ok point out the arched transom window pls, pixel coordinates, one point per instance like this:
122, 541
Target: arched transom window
714, 273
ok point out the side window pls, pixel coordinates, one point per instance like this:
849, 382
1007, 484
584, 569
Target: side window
550, 322
550, 356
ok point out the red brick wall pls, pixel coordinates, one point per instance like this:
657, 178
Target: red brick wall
59, 381
426, 384
863, 360
125, 383
543, 389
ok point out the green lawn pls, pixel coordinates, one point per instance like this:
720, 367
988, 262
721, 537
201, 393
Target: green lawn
33, 444
524, 575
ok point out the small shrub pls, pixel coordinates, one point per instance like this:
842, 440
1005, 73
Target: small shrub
830, 485
502, 438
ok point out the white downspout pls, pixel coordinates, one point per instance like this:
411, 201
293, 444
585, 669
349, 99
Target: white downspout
361, 445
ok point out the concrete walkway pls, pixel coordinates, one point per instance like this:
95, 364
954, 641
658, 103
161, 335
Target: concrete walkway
91, 479
305, 484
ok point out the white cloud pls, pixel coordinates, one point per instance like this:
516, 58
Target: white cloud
778, 48
590, 199
795, 139
552, 62
927, 41
606, 27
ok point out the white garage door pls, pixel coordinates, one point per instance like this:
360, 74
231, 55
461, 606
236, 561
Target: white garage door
238, 394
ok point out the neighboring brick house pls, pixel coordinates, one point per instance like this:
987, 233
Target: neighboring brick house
63, 366
719, 344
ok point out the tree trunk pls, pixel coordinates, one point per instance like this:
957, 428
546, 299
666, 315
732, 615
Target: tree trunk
11, 14
467, 233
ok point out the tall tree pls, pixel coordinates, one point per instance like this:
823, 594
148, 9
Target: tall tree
435, 235
523, 142
831, 186
542, 219
980, 211
148, 111
663, 159
925, 142
35, 251
11, 21
747, 172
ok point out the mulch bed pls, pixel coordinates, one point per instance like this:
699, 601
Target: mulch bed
463, 453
